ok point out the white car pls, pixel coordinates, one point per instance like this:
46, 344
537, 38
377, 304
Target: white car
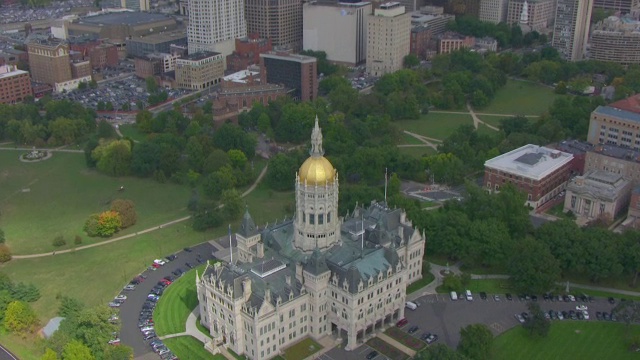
159, 262
582, 307
130, 287
121, 297
571, 298
586, 314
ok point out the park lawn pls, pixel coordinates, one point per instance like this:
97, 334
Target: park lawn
417, 151
190, 348
301, 350
566, 340
485, 130
407, 139
62, 194
131, 131
520, 98
266, 205
490, 286
435, 125
176, 303
601, 294
22, 347
202, 329
493, 120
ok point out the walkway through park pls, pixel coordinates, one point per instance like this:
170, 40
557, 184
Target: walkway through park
148, 230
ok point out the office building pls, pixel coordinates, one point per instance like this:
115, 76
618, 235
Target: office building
597, 195
388, 38
436, 23
622, 6
156, 43
315, 275
278, 20
298, 73
538, 171
463, 7
155, 64
493, 11
135, 5
49, 61
615, 159
614, 126
617, 40
539, 14
200, 70
104, 55
451, 41
571, 28
15, 84
215, 24
81, 69
419, 43
340, 30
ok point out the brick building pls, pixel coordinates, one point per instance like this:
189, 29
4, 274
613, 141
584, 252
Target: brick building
15, 84
104, 55
579, 149
247, 52
451, 41
633, 216
539, 172
49, 61
234, 98
298, 73
80, 69
419, 41
154, 64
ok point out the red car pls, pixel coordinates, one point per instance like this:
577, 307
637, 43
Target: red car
155, 265
402, 322
166, 282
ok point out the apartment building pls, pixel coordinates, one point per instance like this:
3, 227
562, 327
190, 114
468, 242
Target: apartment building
613, 126
388, 38
200, 70
623, 6
340, 30
215, 24
15, 84
571, 28
49, 61
278, 20
540, 13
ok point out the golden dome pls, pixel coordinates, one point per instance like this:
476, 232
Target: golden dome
317, 170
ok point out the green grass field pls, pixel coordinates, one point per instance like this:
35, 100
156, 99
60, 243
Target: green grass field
39, 201
189, 348
520, 97
302, 350
435, 125
566, 340
490, 286
417, 152
176, 303
130, 130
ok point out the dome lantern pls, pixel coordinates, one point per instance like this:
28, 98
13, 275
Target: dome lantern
316, 170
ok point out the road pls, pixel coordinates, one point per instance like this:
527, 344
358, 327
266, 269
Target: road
6, 354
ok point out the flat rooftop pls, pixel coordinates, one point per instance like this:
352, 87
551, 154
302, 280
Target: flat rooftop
158, 38
11, 73
575, 147
618, 152
600, 184
618, 113
123, 18
530, 161
200, 55
240, 76
289, 57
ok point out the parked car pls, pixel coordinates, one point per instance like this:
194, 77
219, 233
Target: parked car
188, 249
612, 300
129, 287
171, 257
402, 322
159, 262
114, 304
432, 338
582, 307
413, 329
372, 355
509, 297
121, 297
483, 295
520, 318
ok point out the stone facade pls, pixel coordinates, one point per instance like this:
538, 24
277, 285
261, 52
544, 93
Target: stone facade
49, 61
199, 71
280, 288
597, 195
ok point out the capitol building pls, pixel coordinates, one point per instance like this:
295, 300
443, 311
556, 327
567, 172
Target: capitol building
316, 275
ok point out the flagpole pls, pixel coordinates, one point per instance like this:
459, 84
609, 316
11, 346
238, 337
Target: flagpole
230, 244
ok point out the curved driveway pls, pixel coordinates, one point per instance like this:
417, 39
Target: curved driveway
130, 310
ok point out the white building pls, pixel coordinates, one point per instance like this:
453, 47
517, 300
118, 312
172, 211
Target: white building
339, 29
214, 25
493, 11
597, 194
313, 276
571, 28
388, 36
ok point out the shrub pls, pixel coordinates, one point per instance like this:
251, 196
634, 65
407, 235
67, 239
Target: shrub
59, 241
91, 225
2, 238
127, 211
77, 240
109, 223
5, 253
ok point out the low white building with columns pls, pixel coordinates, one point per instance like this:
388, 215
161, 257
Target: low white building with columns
315, 275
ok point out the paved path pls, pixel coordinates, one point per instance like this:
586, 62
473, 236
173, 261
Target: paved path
396, 344
31, 256
50, 150
426, 141
477, 121
479, 113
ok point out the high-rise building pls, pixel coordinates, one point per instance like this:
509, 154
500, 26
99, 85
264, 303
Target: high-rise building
624, 6
214, 25
247, 52
463, 7
493, 11
298, 73
315, 275
616, 40
571, 28
388, 38
137, 5
278, 20
340, 30
15, 85
49, 61
539, 13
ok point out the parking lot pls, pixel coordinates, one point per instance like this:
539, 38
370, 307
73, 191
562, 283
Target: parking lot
18, 13
438, 314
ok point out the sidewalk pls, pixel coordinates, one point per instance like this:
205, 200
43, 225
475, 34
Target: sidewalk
393, 342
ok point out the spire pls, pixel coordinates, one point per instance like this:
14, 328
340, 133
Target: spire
316, 141
248, 226
524, 15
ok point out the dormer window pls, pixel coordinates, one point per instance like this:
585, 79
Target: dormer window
380, 276
370, 281
360, 286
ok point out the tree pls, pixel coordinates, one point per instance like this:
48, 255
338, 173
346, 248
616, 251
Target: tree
70, 307
410, 61
537, 324
282, 169
476, 342
238, 158
5, 253
106, 131
152, 85
113, 157
120, 352
216, 183
49, 355
108, 106
127, 211
76, 350
2, 238
20, 318
532, 267
91, 225
232, 203
439, 352
109, 223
